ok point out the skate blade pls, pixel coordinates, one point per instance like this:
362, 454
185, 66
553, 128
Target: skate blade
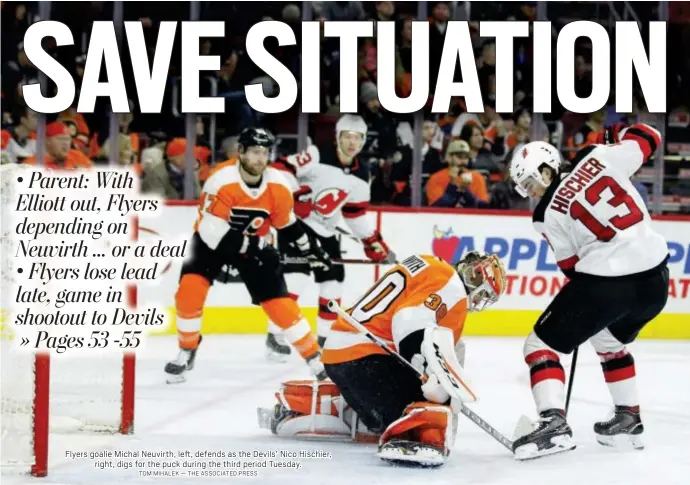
621, 441
423, 456
174, 379
265, 418
273, 356
530, 451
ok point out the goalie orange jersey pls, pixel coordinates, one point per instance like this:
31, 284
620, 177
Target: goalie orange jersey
228, 203
419, 292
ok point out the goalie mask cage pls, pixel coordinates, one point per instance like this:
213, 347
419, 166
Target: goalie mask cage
54, 403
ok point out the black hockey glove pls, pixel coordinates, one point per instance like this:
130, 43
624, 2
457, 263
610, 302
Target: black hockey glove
610, 135
316, 256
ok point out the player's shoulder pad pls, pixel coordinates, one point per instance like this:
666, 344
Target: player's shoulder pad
222, 176
278, 177
304, 159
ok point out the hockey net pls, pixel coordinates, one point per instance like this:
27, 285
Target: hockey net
51, 403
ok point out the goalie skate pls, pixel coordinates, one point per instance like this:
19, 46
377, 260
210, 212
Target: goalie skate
410, 453
623, 430
176, 369
277, 350
551, 435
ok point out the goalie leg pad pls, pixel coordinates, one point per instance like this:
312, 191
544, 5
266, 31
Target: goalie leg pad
316, 410
423, 435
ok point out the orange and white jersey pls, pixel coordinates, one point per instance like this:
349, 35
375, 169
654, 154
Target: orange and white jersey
422, 291
229, 204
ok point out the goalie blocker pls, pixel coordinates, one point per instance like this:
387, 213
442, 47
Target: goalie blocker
418, 309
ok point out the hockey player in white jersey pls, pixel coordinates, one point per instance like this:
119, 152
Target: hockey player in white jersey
603, 239
328, 183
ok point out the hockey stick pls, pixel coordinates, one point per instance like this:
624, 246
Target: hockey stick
571, 379
298, 260
474, 417
343, 232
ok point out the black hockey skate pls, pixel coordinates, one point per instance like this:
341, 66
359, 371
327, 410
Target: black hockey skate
276, 348
551, 435
622, 430
176, 369
412, 454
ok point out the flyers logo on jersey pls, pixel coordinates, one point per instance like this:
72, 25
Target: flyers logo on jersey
328, 201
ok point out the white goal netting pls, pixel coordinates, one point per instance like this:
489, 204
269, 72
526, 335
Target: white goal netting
48, 403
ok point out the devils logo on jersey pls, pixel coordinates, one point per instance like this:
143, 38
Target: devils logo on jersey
328, 201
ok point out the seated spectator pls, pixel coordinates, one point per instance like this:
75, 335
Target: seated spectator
586, 135
59, 152
78, 128
520, 134
124, 122
472, 135
342, 11
231, 147
19, 142
490, 126
126, 157
457, 185
166, 177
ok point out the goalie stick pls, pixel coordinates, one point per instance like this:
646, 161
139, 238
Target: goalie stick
474, 417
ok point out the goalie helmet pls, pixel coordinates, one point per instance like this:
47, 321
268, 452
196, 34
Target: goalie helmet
527, 164
484, 276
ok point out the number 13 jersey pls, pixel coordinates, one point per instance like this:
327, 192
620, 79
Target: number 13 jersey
420, 292
594, 218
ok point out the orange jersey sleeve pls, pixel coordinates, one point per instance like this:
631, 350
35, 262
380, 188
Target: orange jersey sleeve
436, 185
478, 186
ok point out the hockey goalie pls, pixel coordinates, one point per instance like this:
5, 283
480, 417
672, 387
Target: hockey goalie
418, 310
328, 183
239, 204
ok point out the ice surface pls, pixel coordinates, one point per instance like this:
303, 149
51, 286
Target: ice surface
216, 410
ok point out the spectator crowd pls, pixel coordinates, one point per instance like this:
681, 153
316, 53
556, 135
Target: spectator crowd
464, 155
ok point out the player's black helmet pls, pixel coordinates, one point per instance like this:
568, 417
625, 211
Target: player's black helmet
251, 137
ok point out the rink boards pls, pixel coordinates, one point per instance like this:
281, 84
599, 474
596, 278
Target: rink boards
533, 277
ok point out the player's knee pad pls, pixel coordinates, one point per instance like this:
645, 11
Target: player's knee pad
191, 295
424, 422
315, 409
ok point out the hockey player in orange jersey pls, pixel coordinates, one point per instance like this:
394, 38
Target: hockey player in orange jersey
239, 204
418, 309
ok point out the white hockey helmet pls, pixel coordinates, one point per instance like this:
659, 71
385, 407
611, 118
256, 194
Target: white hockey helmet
527, 163
351, 123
